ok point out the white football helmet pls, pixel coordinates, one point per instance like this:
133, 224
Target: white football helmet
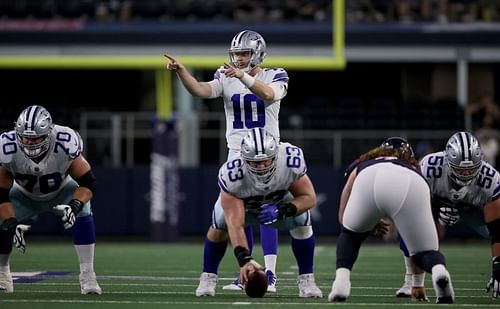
464, 157
252, 42
34, 122
259, 145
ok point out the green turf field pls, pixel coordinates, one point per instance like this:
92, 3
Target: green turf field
145, 275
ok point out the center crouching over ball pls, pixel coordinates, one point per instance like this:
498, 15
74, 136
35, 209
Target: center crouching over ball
256, 286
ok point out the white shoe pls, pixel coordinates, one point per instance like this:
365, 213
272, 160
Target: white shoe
405, 290
88, 284
271, 281
307, 286
234, 286
207, 285
441, 281
6, 284
341, 287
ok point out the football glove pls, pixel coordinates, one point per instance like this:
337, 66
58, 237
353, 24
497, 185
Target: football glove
69, 212
19, 229
493, 284
270, 213
448, 216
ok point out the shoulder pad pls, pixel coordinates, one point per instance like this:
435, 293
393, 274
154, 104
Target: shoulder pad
67, 141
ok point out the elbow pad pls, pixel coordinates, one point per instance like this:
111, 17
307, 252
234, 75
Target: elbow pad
88, 181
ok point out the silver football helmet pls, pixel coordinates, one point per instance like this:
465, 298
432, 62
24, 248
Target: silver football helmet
33, 123
252, 42
257, 146
464, 157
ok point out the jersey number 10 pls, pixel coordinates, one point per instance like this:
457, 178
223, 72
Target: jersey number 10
252, 105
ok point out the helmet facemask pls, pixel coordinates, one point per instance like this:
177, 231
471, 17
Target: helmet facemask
259, 150
34, 123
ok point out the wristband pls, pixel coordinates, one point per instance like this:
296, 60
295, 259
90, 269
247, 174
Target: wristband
247, 80
418, 279
76, 205
287, 209
242, 255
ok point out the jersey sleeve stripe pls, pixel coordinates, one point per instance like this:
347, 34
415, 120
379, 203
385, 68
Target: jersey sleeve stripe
280, 80
217, 74
496, 193
222, 185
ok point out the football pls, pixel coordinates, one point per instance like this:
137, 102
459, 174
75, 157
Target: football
256, 285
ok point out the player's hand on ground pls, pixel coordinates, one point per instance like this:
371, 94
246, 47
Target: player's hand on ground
418, 294
493, 284
230, 70
172, 64
448, 216
19, 241
68, 217
269, 213
381, 228
248, 268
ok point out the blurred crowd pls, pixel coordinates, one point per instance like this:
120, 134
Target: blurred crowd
357, 11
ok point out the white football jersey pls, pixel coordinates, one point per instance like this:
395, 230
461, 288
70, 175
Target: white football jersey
244, 110
42, 180
484, 189
235, 179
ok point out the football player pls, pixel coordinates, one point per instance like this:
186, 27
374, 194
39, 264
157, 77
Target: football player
464, 188
252, 97
42, 169
266, 184
386, 183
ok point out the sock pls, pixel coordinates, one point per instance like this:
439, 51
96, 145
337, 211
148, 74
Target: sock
303, 249
4, 260
348, 245
407, 268
6, 238
249, 234
85, 257
84, 231
269, 241
212, 255
428, 259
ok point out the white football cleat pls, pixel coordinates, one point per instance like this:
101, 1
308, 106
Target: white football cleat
307, 286
207, 285
234, 286
271, 281
341, 287
6, 284
405, 290
88, 283
441, 281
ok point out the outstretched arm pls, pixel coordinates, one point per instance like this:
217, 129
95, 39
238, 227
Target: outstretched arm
196, 88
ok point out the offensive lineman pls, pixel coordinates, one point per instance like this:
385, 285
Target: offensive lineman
252, 97
43, 169
464, 188
255, 188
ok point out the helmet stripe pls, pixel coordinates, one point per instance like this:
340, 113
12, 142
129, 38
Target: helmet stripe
34, 117
238, 38
462, 142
